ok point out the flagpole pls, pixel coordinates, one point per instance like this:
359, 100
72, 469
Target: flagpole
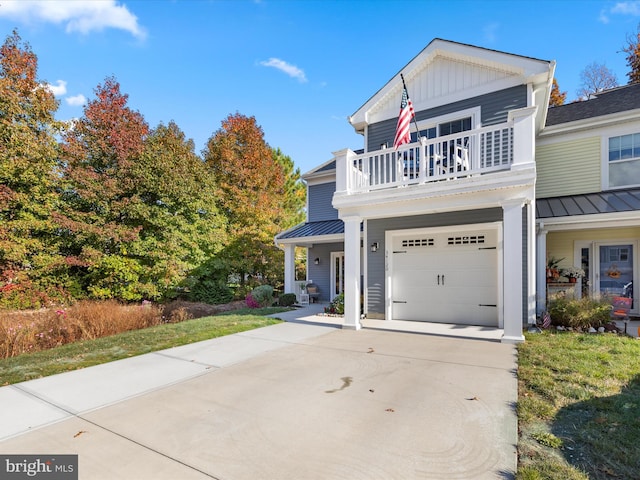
414, 117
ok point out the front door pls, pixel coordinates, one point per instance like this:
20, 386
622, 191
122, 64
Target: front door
614, 274
337, 274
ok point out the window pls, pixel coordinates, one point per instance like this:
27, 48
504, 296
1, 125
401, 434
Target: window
624, 160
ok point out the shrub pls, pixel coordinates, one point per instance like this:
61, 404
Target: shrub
251, 302
263, 295
214, 292
337, 305
287, 299
582, 313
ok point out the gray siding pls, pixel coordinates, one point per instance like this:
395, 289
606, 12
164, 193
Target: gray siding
376, 233
494, 108
319, 198
320, 274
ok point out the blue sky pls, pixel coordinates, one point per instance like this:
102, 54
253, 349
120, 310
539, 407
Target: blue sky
299, 67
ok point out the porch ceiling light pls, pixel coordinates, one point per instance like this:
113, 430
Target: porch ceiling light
374, 246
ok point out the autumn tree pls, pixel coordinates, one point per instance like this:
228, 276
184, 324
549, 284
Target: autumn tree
556, 98
28, 155
250, 186
99, 152
595, 78
632, 50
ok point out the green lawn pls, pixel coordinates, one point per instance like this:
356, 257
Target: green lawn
128, 344
579, 407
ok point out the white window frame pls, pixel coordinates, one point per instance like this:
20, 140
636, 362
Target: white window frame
473, 112
605, 139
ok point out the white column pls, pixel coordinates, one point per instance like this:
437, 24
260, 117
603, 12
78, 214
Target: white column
512, 252
532, 262
290, 268
523, 135
541, 268
352, 273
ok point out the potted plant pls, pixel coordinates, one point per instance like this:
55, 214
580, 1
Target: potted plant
572, 273
553, 273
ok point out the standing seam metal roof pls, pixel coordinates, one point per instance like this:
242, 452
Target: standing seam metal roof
589, 204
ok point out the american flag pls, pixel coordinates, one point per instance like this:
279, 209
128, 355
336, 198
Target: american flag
546, 319
404, 120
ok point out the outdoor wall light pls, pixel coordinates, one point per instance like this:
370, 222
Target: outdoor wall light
374, 246
317, 261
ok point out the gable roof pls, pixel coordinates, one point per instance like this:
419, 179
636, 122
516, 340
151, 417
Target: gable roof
446, 71
615, 100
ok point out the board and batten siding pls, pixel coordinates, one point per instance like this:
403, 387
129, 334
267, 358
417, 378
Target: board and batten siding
569, 168
376, 230
320, 197
494, 109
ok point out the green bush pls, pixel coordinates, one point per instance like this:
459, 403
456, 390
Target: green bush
582, 313
287, 299
337, 305
213, 292
263, 295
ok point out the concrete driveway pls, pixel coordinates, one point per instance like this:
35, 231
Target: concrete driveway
291, 401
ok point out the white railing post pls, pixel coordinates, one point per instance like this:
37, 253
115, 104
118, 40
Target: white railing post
523, 135
424, 161
345, 178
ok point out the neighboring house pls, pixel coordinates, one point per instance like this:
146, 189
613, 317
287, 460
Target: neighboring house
444, 229
588, 192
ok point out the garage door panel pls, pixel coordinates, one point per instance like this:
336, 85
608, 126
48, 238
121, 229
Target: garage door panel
445, 278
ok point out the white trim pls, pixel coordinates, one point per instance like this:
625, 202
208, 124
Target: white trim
473, 112
332, 273
596, 220
604, 156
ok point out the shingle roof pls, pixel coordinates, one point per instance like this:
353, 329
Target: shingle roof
314, 229
589, 204
619, 99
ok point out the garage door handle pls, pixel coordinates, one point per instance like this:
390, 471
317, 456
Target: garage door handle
487, 305
399, 301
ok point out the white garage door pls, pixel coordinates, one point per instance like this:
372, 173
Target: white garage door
445, 277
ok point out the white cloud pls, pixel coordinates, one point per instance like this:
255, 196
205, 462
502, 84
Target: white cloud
82, 16
285, 67
59, 89
76, 100
627, 8
631, 8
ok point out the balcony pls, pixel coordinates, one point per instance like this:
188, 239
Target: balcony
473, 153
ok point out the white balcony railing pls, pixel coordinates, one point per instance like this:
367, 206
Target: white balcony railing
470, 153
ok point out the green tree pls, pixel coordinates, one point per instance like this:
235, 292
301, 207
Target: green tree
174, 205
29, 258
99, 152
294, 199
556, 98
250, 185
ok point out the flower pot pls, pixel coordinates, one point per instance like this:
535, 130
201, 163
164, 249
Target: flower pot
572, 280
